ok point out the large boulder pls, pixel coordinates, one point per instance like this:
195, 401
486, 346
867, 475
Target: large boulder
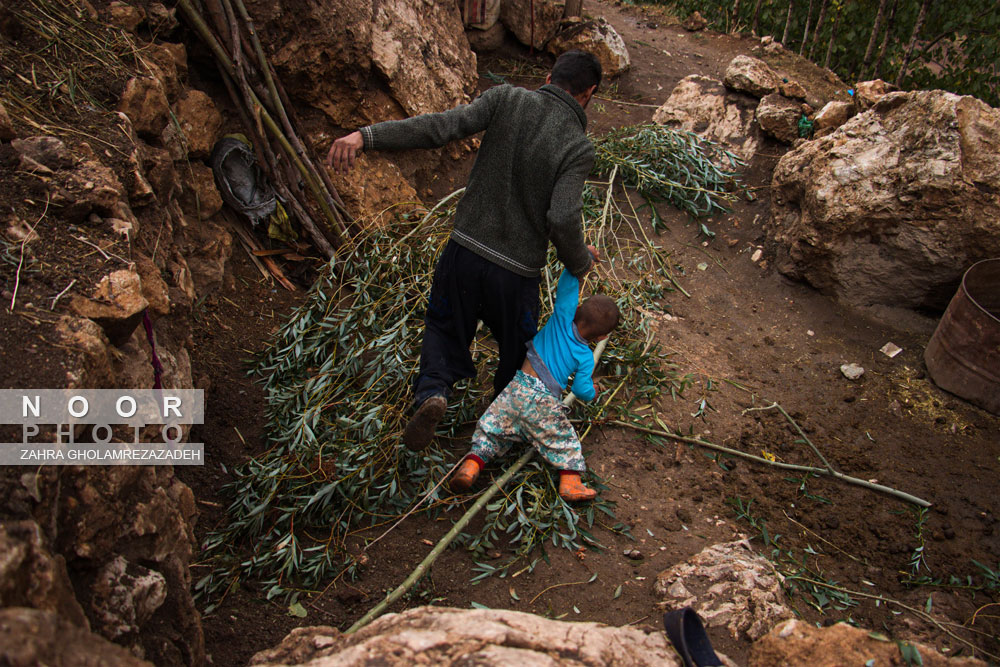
751, 75
868, 93
779, 117
795, 642
596, 37
534, 31
893, 206
705, 106
388, 60
729, 586
442, 636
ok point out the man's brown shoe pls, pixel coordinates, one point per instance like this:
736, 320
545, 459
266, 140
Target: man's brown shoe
465, 476
420, 429
572, 489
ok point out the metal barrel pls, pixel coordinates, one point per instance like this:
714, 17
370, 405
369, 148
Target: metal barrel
963, 355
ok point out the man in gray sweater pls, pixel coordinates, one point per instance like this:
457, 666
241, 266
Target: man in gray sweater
525, 189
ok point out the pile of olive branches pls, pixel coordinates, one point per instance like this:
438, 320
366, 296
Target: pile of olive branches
337, 378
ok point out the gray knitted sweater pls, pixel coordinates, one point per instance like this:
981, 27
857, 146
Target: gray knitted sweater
526, 185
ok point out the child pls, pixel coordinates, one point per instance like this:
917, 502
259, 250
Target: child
529, 409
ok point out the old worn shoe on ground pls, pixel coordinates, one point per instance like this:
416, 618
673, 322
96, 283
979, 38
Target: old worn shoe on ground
420, 429
572, 489
466, 475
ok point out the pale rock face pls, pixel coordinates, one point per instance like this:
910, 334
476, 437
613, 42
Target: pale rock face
779, 117
596, 37
443, 636
516, 15
117, 305
704, 106
145, 103
867, 93
832, 115
751, 75
35, 637
729, 586
894, 205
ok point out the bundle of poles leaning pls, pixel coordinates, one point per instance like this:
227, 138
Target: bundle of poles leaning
264, 106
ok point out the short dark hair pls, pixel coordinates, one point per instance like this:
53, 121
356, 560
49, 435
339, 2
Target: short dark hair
598, 315
575, 71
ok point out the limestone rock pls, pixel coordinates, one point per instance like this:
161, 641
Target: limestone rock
729, 586
160, 172
6, 127
92, 367
145, 103
161, 61
162, 20
139, 190
117, 305
33, 637
484, 41
832, 115
30, 576
704, 106
442, 636
795, 642
126, 16
779, 116
695, 22
516, 15
751, 75
44, 151
212, 248
88, 186
417, 50
596, 37
200, 198
154, 289
867, 93
124, 597
894, 205
383, 185
792, 90
182, 291
199, 122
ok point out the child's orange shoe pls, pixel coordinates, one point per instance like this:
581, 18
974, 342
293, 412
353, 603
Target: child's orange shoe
572, 488
466, 475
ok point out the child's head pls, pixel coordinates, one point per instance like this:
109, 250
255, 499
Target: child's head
596, 317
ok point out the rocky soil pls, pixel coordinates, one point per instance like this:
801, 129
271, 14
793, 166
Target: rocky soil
109, 212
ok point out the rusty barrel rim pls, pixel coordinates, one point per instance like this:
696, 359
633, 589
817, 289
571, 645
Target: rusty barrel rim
973, 271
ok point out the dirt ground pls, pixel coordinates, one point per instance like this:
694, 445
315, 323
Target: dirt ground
748, 337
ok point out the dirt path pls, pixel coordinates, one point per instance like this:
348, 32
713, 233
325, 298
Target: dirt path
744, 324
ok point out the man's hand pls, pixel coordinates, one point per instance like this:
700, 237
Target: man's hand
343, 151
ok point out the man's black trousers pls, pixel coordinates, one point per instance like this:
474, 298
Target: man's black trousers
468, 288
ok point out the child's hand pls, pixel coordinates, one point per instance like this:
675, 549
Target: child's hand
595, 253
597, 387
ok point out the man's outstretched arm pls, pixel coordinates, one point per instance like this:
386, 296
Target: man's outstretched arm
430, 130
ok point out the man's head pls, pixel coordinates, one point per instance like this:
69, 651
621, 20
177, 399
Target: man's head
596, 317
578, 73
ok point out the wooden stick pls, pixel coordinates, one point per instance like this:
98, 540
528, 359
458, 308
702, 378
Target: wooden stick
777, 464
425, 564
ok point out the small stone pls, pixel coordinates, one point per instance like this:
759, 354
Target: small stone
633, 554
852, 371
890, 349
810, 332
756, 255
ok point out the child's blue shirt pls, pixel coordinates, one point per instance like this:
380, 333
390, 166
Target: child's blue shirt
559, 346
